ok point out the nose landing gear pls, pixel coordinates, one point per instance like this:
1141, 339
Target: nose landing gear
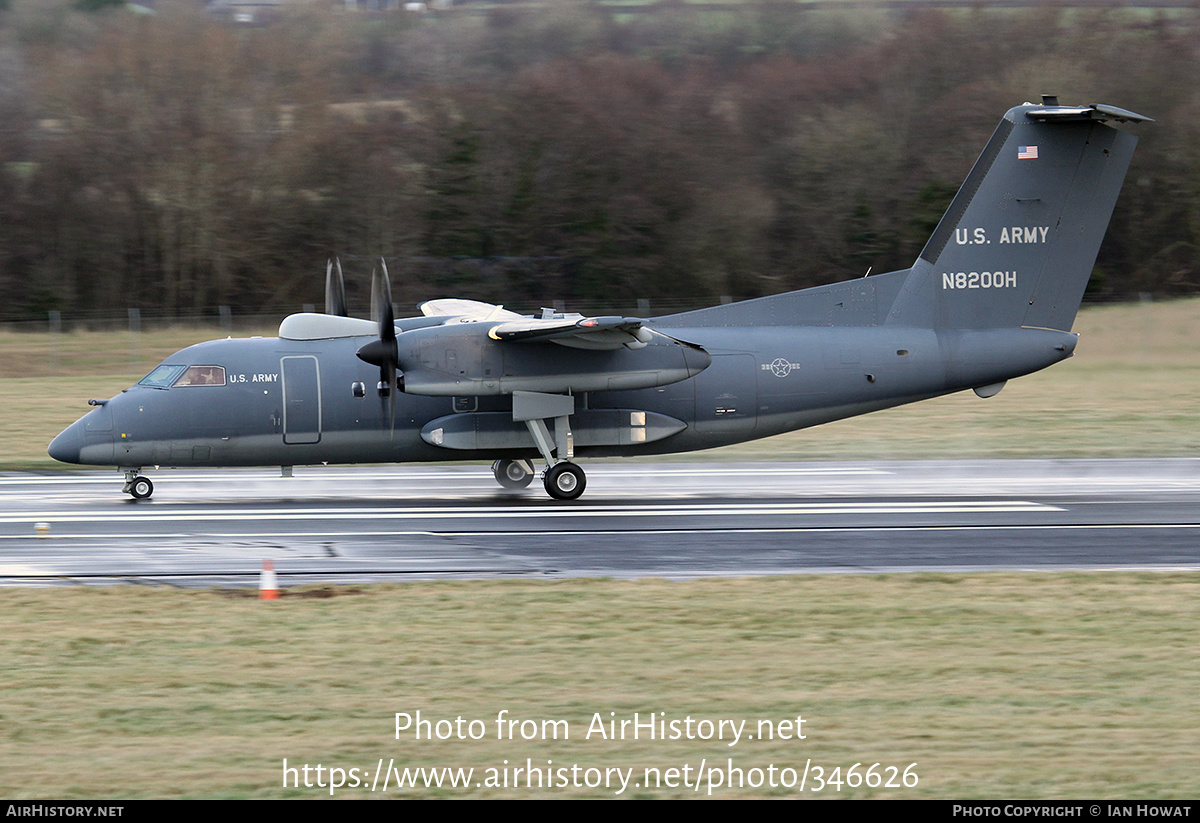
137, 486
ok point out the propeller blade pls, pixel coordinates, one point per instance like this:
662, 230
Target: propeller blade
376, 308
383, 352
335, 290
387, 376
382, 295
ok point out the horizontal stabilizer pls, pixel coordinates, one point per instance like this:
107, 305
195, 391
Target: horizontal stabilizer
1097, 111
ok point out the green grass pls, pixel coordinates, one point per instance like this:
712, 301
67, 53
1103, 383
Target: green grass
1132, 390
994, 685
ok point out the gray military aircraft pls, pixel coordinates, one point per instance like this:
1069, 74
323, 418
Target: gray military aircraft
992, 296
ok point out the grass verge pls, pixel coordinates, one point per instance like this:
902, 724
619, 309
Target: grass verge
997, 685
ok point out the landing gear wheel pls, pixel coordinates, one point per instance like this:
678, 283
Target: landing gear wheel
565, 481
511, 474
141, 488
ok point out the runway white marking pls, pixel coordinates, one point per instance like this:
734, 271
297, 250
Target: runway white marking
578, 532
148, 514
19, 570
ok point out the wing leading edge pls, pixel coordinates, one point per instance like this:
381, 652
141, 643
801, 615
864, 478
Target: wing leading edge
571, 330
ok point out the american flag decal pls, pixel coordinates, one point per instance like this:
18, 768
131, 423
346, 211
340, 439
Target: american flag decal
1027, 153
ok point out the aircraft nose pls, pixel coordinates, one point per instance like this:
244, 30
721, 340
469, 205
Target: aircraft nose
66, 447
89, 440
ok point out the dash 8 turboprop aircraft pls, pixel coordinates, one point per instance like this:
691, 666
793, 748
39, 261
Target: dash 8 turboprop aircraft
992, 296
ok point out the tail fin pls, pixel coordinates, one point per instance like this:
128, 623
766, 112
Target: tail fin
1017, 245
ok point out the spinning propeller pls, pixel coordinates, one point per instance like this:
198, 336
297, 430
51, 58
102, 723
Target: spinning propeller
383, 352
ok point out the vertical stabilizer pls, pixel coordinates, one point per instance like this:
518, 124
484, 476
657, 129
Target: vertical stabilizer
1017, 245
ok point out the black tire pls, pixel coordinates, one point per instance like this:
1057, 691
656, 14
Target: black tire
511, 474
565, 481
141, 488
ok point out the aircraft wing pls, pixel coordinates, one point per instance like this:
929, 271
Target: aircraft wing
596, 333
572, 330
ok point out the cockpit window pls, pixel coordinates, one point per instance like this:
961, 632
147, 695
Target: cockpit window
175, 376
202, 376
162, 376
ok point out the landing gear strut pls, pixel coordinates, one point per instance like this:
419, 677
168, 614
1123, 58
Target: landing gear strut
563, 479
137, 486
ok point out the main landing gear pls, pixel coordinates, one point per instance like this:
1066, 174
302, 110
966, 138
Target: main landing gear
563, 479
137, 486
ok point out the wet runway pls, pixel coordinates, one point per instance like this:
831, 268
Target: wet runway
363, 524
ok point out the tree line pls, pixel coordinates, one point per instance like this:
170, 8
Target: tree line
176, 163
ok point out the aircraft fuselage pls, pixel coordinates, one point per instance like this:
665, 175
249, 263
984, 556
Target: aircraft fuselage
289, 402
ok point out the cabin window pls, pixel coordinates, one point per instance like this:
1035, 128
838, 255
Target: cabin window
202, 376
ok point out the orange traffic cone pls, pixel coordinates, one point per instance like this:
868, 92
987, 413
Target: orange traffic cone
268, 589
